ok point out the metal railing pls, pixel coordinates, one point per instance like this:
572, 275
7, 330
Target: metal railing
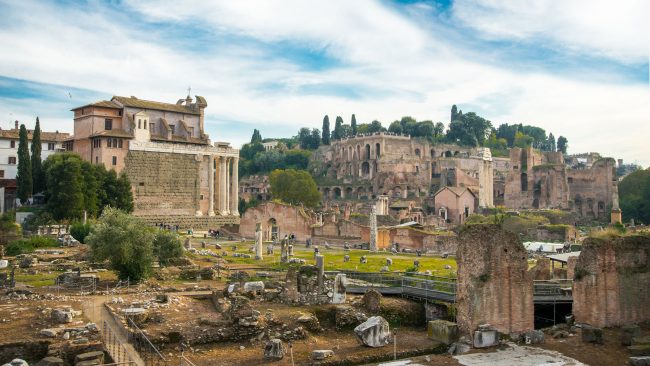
114, 347
552, 288
141, 343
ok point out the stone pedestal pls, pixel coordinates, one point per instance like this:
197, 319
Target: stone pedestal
258, 242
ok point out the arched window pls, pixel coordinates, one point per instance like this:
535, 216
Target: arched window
378, 150
417, 152
367, 151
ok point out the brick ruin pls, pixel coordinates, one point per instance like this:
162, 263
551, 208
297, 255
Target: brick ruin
493, 286
611, 278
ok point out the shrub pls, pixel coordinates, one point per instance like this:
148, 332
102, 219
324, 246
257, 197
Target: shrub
167, 246
80, 231
23, 246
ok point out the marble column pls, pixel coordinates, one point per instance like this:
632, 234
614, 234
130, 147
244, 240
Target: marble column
228, 184
234, 188
211, 173
223, 187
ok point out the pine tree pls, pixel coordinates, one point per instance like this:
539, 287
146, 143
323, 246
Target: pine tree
354, 125
454, 113
38, 176
24, 181
551, 143
326, 130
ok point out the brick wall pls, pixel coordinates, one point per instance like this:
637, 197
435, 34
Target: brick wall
493, 284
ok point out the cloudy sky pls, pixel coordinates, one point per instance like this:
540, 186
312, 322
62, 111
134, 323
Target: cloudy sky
578, 68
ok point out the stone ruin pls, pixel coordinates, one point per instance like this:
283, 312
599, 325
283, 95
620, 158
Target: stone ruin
612, 281
310, 285
493, 284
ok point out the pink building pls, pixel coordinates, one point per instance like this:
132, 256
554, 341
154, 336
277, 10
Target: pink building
455, 204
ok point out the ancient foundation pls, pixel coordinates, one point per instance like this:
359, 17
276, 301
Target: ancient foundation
612, 281
493, 284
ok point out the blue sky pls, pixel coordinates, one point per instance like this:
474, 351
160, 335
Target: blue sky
577, 68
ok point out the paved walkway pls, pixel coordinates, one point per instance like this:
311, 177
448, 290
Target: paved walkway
95, 310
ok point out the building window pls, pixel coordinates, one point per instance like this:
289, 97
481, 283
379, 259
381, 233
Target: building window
141, 184
50, 146
139, 124
145, 124
119, 113
114, 160
97, 143
173, 129
2, 175
108, 124
119, 143
96, 159
109, 142
68, 145
12, 160
13, 144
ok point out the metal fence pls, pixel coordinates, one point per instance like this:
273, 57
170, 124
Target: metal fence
148, 352
114, 347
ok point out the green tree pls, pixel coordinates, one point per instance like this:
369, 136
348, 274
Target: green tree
634, 194
550, 144
438, 130
38, 176
167, 246
326, 130
508, 132
353, 124
125, 242
297, 159
395, 127
24, 181
375, 126
337, 128
454, 113
80, 231
65, 182
522, 140
124, 199
294, 187
257, 137
562, 144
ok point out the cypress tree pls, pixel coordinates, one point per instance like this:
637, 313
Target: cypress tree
24, 181
326, 130
354, 125
257, 137
38, 176
454, 113
337, 128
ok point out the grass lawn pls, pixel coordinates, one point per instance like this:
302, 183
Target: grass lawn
37, 280
334, 258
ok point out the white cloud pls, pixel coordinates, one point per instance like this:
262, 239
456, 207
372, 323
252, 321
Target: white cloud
403, 68
618, 30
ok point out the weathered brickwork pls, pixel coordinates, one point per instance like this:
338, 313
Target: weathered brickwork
278, 220
493, 282
612, 281
164, 183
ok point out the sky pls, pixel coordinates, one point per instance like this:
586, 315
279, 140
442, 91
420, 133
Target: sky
577, 68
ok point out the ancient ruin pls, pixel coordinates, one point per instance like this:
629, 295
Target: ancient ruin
493, 284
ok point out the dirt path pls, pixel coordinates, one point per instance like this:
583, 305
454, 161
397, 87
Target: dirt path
95, 310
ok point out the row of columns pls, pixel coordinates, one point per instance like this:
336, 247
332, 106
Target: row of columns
226, 190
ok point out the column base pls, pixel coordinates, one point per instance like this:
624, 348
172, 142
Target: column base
225, 213
198, 213
211, 213
235, 213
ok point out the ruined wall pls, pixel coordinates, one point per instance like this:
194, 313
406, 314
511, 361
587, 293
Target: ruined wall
280, 218
612, 281
493, 283
163, 183
592, 189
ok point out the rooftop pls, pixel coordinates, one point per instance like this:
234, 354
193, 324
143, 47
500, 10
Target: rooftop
45, 136
159, 106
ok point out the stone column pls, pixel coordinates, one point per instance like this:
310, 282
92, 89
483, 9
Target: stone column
258, 241
234, 189
211, 185
227, 189
320, 265
373, 229
223, 186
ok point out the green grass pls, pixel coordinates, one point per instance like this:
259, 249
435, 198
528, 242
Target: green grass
37, 280
334, 259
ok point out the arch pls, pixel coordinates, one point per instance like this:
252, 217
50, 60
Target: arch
326, 193
348, 192
442, 212
337, 192
350, 154
433, 153
417, 153
361, 193
359, 152
368, 151
577, 201
456, 153
365, 169
378, 150
273, 231
447, 154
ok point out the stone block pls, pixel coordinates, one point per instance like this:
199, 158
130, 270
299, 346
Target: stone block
374, 332
641, 341
458, 348
372, 301
640, 361
628, 332
639, 350
592, 334
533, 337
321, 354
90, 356
486, 338
50, 361
62, 315
274, 350
443, 331
256, 286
